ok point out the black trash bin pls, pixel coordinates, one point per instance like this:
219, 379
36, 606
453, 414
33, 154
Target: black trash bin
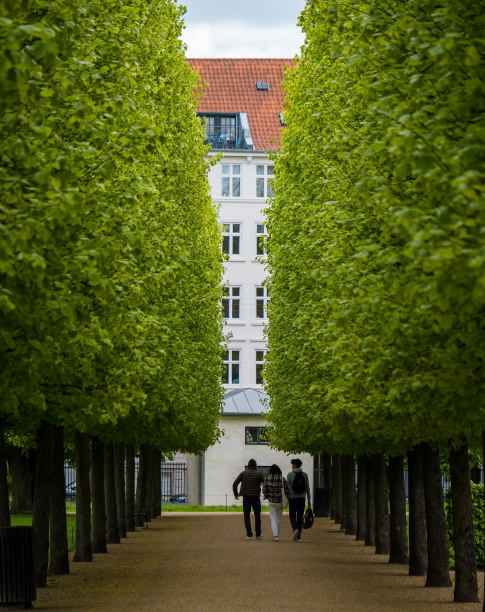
17, 576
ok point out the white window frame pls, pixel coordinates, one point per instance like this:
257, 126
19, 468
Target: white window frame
259, 363
230, 233
262, 297
259, 235
233, 178
233, 363
231, 297
262, 178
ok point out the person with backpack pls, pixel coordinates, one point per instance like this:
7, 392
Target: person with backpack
274, 486
299, 489
251, 480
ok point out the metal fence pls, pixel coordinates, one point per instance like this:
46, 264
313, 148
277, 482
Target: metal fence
173, 480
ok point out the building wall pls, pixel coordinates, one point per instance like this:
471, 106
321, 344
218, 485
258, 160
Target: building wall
228, 457
244, 270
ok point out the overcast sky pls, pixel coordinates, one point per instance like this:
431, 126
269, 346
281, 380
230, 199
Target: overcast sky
242, 28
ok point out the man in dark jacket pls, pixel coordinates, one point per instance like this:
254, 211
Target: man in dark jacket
251, 480
299, 487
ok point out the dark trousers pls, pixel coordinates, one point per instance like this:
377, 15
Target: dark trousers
254, 502
296, 511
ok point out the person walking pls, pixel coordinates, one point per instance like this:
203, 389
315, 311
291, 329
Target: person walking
273, 485
251, 480
299, 489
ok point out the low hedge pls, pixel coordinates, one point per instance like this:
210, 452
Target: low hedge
478, 524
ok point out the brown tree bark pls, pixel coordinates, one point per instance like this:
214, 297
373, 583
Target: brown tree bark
4, 504
418, 547
22, 479
348, 495
361, 497
130, 488
327, 484
83, 551
40, 510
483, 462
398, 524
381, 505
370, 508
466, 580
438, 574
337, 489
157, 484
98, 530
59, 557
119, 462
141, 482
112, 530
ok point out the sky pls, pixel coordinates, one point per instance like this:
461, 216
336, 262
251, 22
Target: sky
242, 28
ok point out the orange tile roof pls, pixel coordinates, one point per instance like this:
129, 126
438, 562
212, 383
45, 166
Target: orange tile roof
231, 88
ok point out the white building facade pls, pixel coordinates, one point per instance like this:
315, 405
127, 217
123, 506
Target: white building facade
242, 110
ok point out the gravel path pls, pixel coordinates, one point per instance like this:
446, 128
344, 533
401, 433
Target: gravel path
203, 563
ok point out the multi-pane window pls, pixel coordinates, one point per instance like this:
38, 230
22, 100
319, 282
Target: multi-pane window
221, 131
231, 238
260, 354
231, 301
231, 180
231, 364
256, 435
263, 176
262, 298
260, 233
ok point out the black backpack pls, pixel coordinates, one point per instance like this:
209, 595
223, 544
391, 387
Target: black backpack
299, 485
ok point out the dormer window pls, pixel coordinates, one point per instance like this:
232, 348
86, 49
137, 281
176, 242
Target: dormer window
227, 130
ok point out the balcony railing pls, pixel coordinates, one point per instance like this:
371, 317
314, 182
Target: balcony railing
227, 131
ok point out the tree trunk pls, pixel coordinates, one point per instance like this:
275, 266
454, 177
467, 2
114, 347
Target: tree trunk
4, 506
438, 558
141, 483
348, 494
112, 530
157, 484
119, 459
59, 557
475, 475
40, 510
418, 547
22, 481
483, 462
337, 489
130, 488
398, 526
83, 550
98, 532
382, 506
361, 498
370, 508
327, 484
466, 580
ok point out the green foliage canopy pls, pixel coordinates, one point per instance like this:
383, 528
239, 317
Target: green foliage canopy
109, 245
376, 240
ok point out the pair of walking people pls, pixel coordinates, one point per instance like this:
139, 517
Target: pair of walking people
296, 487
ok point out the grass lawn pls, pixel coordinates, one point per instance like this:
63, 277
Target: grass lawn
25, 519
197, 508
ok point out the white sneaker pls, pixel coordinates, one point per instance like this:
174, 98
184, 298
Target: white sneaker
296, 535
249, 537
275, 539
